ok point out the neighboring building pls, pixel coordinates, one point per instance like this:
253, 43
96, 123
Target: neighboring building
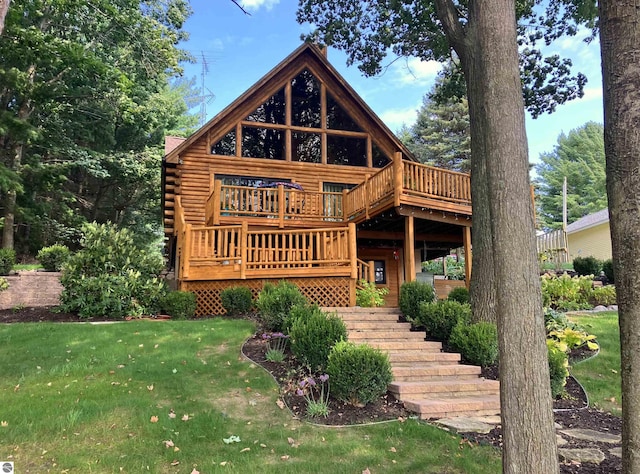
299, 179
590, 236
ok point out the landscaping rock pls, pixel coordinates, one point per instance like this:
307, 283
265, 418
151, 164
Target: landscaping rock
465, 425
600, 308
613, 307
617, 452
591, 435
591, 455
560, 441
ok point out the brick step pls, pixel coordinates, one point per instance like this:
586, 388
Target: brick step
378, 325
386, 336
389, 318
435, 372
403, 345
359, 310
411, 357
450, 407
444, 388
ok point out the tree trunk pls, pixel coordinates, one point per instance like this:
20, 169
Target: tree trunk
10, 203
619, 33
4, 7
497, 109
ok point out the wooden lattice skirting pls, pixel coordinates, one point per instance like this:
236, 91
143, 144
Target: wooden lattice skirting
327, 291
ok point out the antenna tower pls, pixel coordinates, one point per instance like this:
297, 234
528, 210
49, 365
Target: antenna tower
206, 96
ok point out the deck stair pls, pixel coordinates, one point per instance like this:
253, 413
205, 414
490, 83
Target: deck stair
430, 382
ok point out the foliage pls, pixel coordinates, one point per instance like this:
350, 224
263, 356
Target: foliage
440, 317
236, 300
4, 284
412, 294
578, 156
180, 304
587, 265
7, 260
369, 296
317, 399
52, 258
605, 296
477, 343
359, 373
607, 268
455, 267
459, 294
558, 368
313, 336
275, 302
276, 346
566, 293
569, 339
110, 276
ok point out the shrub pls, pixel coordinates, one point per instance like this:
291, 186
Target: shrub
359, 373
180, 304
565, 293
54, 257
605, 296
459, 294
236, 300
4, 284
110, 276
607, 268
587, 265
558, 368
313, 335
477, 343
412, 294
7, 260
440, 317
275, 303
369, 296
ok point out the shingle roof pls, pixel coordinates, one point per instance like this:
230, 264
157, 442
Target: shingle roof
589, 220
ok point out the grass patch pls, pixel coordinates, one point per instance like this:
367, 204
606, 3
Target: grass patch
600, 375
26, 267
102, 398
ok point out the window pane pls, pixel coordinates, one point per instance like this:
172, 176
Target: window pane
263, 143
272, 111
381, 273
346, 151
306, 147
378, 158
337, 118
226, 146
305, 100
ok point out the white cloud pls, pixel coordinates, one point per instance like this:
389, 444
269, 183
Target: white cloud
395, 118
414, 71
254, 5
592, 93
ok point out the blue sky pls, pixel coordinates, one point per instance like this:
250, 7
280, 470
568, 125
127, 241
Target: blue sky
240, 49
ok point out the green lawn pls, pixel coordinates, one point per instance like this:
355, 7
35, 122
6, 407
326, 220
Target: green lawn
600, 375
102, 398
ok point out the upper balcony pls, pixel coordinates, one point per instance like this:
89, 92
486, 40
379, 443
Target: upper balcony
399, 183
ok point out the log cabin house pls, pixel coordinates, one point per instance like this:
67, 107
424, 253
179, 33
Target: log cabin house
298, 179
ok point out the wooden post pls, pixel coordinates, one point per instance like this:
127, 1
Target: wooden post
186, 251
397, 178
281, 206
372, 271
409, 249
352, 292
343, 206
244, 236
217, 199
367, 194
466, 242
353, 250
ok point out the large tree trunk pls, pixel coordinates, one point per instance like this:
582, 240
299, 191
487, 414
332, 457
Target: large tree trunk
4, 7
619, 33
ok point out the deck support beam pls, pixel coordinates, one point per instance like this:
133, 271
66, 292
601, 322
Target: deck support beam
409, 249
466, 242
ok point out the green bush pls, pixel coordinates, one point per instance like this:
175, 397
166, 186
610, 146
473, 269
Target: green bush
477, 343
111, 277
7, 260
558, 368
359, 373
565, 293
440, 317
54, 257
412, 295
587, 265
369, 296
275, 302
180, 304
459, 294
314, 334
236, 300
607, 268
4, 284
605, 295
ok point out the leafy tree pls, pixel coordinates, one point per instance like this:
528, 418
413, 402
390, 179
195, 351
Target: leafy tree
578, 156
619, 25
484, 35
440, 136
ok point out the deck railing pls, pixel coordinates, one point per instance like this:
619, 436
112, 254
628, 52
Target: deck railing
368, 195
366, 271
434, 182
235, 251
553, 245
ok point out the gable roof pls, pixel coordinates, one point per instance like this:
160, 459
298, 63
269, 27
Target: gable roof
307, 53
590, 220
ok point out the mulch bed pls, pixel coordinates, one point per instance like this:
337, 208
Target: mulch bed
570, 411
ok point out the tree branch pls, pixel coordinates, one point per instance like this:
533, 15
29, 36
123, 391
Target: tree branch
453, 29
241, 8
